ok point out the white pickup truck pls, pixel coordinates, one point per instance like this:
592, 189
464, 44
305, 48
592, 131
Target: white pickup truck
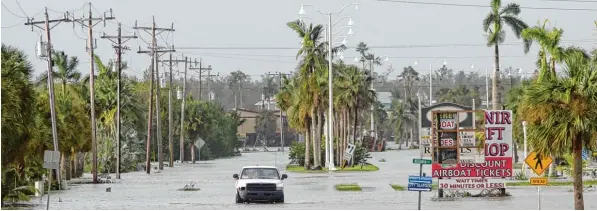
259, 183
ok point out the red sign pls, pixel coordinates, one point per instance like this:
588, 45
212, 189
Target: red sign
498, 151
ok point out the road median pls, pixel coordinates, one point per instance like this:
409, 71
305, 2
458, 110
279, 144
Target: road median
358, 168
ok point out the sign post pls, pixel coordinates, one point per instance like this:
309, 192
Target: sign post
538, 163
420, 179
51, 162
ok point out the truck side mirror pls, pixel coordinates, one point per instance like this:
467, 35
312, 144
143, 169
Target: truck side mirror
235, 176
284, 176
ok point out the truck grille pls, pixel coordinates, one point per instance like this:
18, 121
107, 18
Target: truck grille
261, 186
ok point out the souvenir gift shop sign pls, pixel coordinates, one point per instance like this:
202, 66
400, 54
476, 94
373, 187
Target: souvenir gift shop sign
498, 151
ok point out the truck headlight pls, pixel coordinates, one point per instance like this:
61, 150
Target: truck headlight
280, 186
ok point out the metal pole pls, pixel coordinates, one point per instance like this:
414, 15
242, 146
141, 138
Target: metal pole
49, 185
420, 174
170, 119
328, 121
430, 84
330, 99
182, 111
51, 93
281, 119
118, 62
524, 132
487, 90
421, 154
539, 197
92, 96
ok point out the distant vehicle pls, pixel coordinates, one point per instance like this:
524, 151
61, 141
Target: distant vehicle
259, 183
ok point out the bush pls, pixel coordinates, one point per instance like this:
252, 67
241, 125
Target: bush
297, 154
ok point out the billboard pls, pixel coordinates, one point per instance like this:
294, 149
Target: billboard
498, 151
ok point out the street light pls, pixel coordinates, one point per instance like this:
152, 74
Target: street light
350, 23
330, 119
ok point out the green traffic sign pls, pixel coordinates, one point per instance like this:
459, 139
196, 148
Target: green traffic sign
421, 161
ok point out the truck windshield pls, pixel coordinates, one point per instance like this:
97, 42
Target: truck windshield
260, 173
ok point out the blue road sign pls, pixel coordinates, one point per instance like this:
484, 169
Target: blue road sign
420, 179
419, 187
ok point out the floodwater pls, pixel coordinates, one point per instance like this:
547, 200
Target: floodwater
139, 191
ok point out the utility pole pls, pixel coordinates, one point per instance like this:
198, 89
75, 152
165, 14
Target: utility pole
118, 41
279, 74
170, 120
153, 52
182, 110
90, 48
201, 70
209, 75
50, 63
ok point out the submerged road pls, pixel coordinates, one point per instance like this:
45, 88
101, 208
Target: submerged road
138, 190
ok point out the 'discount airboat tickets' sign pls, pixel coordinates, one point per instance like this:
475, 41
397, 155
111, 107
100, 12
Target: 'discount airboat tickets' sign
498, 152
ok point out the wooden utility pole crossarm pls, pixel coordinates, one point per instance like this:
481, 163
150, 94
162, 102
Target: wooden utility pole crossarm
118, 41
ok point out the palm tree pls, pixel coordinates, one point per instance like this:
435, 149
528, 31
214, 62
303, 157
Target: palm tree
67, 70
550, 43
562, 114
312, 80
18, 97
497, 18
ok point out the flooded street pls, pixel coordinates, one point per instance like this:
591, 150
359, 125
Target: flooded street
138, 190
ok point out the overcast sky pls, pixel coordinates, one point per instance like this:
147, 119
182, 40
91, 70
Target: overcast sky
214, 24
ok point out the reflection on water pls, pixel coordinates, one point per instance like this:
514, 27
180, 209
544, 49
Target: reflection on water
138, 190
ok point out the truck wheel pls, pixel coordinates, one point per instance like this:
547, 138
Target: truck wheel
239, 200
280, 200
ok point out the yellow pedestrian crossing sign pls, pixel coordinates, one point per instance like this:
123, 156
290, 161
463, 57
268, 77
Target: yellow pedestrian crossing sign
538, 162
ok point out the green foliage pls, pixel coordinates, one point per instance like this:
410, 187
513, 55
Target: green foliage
265, 126
361, 155
348, 187
297, 154
208, 121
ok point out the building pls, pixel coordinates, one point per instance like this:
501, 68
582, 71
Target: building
247, 129
385, 98
266, 105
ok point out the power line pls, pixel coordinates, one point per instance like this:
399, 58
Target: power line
486, 6
371, 47
12, 26
21, 8
10, 11
224, 55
